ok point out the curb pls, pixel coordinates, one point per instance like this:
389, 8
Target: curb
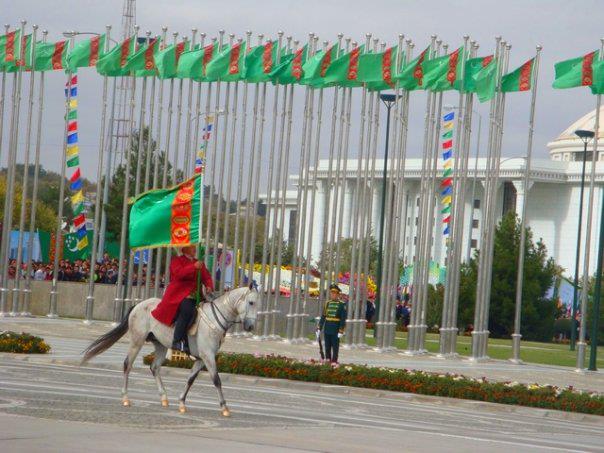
356, 391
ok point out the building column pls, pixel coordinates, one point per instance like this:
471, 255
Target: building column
521, 195
347, 215
318, 219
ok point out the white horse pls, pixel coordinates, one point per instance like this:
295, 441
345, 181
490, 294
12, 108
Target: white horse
238, 305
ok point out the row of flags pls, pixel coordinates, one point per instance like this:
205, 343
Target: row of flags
446, 185
267, 62
73, 163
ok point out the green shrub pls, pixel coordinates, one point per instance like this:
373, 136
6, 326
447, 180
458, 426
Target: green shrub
22, 343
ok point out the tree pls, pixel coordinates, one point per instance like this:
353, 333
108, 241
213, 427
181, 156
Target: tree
538, 311
46, 217
346, 255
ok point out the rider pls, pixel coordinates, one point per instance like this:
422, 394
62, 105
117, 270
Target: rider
179, 301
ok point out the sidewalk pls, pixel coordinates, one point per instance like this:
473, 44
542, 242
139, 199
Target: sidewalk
68, 337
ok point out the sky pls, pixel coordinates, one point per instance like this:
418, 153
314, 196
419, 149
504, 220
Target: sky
565, 29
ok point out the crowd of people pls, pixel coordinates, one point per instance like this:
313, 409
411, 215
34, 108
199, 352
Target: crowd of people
105, 271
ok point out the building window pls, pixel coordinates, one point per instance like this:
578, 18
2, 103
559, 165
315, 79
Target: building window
473, 243
476, 204
416, 221
509, 197
474, 223
415, 240
291, 234
417, 201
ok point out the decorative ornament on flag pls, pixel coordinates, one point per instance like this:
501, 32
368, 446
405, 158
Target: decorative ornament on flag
73, 163
446, 186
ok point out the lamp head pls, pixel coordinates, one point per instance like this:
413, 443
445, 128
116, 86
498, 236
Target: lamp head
584, 135
387, 97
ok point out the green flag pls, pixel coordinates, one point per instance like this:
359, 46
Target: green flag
142, 62
474, 66
598, 84
9, 48
260, 62
167, 60
228, 65
167, 217
289, 70
316, 66
377, 70
575, 72
344, 71
86, 53
443, 73
520, 79
22, 57
412, 75
112, 64
51, 56
71, 251
194, 63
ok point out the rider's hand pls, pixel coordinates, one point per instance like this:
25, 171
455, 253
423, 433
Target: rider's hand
340, 334
198, 264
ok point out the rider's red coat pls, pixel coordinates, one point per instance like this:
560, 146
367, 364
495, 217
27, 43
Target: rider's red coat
183, 281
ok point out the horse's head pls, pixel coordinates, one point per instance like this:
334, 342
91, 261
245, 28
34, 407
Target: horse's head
247, 308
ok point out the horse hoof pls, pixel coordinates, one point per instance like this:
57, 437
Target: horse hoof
164, 402
126, 403
182, 408
226, 412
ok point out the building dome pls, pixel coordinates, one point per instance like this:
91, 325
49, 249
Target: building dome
567, 146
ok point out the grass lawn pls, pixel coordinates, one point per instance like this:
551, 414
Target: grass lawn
530, 351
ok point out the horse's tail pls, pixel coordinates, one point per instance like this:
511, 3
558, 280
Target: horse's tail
107, 340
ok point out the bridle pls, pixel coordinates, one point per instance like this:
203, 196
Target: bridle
225, 324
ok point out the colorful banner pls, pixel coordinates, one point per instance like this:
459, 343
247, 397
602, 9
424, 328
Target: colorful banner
200, 159
446, 186
73, 163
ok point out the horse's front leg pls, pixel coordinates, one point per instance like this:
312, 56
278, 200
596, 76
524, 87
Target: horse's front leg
198, 365
210, 362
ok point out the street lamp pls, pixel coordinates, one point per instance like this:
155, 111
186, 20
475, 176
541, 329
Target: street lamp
388, 100
585, 136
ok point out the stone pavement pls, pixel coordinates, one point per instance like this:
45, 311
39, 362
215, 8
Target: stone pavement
68, 337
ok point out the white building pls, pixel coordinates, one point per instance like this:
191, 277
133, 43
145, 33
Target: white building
552, 211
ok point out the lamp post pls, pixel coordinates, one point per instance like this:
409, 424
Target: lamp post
585, 137
388, 100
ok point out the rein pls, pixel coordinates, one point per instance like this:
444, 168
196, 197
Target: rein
216, 311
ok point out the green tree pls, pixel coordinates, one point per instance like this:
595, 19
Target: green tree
46, 217
346, 255
538, 311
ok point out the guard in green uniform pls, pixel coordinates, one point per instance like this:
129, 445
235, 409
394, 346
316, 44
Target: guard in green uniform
332, 323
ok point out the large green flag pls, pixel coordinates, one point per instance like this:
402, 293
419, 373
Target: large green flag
344, 71
22, 59
228, 65
474, 67
598, 85
575, 72
86, 53
167, 60
520, 79
112, 64
50, 56
378, 69
289, 70
142, 62
411, 76
444, 73
167, 217
9, 48
194, 63
316, 66
485, 82
260, 62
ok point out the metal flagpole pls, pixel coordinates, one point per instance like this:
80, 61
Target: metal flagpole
187, 166
266, 278
10, 178
25, 189
274, 274
198, 115
119, 300
248, 200
581, 344
164, 181
2, 97
221, 181
242, 147
130, 298
99, 190
292, 314
516, 336
34, 195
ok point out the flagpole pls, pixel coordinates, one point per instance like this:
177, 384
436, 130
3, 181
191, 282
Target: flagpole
266, 277
194, 144
25, 189
221, 177
248, 200
581, 344
34, 195
2, 98
187, 149
131, 299
276, 235
516, 336
99, 189
119, 300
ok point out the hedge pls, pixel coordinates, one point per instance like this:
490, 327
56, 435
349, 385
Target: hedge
409, 381
22, 343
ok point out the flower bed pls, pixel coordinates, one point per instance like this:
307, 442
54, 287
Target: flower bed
410, 381
22, 343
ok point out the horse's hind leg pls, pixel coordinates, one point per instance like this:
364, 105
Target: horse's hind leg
135, 347
198, 365
213, 371
160, 355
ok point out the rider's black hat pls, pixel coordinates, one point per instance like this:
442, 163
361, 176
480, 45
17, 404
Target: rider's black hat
335, 288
